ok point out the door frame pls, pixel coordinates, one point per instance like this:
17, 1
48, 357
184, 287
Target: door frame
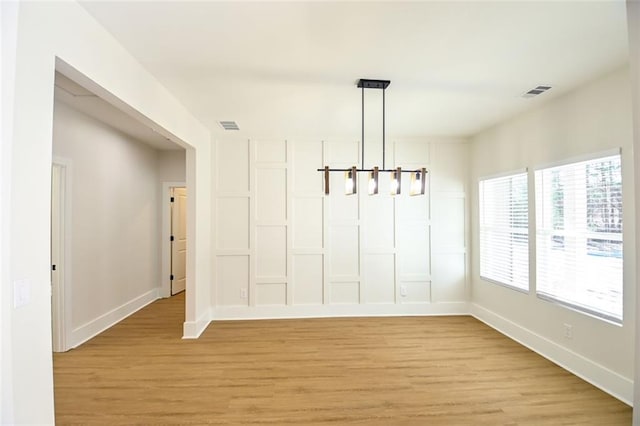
165, 288
61, 295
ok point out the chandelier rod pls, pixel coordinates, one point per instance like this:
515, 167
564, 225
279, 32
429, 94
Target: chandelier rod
383, 129
363, 127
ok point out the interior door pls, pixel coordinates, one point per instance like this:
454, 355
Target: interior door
58, 176
178, 240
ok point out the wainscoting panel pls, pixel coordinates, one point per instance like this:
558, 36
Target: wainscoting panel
233, 167
308, 279
285, 247
271, 294
379, 278
345, 292
232, 232
271, 195
344, 250
232, 276
271, 251
307, 222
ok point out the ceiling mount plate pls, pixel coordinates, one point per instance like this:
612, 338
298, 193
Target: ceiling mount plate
373, 84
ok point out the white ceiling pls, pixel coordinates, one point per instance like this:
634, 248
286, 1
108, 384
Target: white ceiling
288, 69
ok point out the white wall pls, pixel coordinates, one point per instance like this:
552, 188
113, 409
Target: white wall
8, 44
172, 166
115, 213
296, 252
592, 119
64, 35
633, 26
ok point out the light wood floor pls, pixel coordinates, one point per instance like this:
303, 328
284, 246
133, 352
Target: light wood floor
360, 371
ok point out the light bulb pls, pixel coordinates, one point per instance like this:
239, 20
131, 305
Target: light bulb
373, 181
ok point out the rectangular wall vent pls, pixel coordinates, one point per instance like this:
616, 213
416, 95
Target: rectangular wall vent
536, 91
229, 125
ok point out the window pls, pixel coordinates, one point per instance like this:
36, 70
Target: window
579, 236
504, 232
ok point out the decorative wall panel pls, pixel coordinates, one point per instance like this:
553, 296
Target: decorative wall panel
379, 222
449, 213
233, 167
308, 279
271, 294
232, 218
232, 276
344, 251
416, 292
411, 209
271, 251
307, 222
307, 159
449, 261
343, 208
379, 278
271, 195
301, 247
345, 292
449, 276
414, 249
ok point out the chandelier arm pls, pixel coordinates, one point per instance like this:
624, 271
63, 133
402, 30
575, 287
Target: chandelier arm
370, 170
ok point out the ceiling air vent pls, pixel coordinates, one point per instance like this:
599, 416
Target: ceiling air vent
536, 91
229, 125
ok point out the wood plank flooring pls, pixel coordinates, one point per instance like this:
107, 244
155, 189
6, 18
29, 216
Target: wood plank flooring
342, 371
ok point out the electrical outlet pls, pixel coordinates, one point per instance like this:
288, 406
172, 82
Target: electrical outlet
243, 293
568, 331
403, 290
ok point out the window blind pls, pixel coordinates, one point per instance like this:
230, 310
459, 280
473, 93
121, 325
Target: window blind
504, 233
579, 235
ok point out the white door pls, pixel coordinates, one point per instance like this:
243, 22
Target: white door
178, 240
58, 176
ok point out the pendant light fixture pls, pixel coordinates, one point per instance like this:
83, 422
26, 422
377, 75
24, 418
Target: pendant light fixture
351, 181
396, 181
373, 181
418, 180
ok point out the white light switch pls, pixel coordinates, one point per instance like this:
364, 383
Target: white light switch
21, 293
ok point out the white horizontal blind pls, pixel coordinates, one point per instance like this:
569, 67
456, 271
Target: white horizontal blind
579, 235
504, 232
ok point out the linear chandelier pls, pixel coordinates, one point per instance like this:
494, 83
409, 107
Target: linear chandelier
418, 177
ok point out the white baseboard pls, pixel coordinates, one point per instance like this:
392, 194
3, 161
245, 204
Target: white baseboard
609, 381
193, 329
324, 311
103, 322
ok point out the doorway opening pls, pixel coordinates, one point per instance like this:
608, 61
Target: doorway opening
89, 296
